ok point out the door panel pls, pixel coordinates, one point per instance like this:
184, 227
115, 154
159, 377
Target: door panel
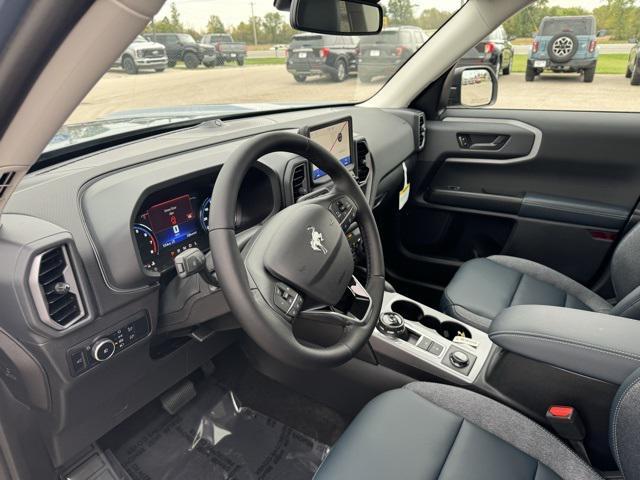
557, 191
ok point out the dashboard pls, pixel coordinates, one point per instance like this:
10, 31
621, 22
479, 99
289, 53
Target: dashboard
112, 221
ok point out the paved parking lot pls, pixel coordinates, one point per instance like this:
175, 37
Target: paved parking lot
117, 91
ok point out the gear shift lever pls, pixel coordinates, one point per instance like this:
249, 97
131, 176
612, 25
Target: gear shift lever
392, 324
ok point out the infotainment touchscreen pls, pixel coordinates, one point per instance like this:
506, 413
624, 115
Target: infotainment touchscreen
337, 138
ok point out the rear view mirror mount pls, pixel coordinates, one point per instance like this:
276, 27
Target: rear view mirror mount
336, 17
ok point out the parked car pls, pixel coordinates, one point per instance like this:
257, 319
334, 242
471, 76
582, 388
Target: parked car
226, 49
381, 55
564, 45
495, 50
633, 72
141, 55
183, 47
325, 55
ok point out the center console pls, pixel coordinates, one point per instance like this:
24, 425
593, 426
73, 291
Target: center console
424, 338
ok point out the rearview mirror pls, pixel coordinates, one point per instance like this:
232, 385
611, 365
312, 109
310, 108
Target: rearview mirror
336, 17
471, 87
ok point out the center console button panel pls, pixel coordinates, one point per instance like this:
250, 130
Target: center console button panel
434, 342
93, 352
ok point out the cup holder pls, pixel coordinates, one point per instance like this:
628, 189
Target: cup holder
447, 329
450, 330
408, 310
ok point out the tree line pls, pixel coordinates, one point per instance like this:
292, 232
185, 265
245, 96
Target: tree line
272, 28
620, 19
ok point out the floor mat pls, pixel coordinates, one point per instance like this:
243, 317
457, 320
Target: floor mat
213, 437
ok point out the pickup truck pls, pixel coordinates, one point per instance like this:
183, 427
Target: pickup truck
226, 49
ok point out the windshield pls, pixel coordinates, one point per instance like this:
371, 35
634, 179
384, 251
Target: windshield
254, 61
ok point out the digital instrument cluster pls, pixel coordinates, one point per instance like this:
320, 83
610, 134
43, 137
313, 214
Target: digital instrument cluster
175, 218
164, 229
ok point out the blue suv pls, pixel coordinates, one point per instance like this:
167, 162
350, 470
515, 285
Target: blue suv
564, 45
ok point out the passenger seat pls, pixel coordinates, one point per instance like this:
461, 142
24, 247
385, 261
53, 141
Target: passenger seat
483, 287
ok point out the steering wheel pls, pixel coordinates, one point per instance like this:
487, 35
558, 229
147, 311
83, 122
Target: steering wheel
299, 263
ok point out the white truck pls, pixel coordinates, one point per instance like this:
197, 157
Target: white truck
143, 55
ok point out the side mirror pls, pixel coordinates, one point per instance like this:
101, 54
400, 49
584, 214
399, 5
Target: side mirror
336, 17
470, 87
601, 33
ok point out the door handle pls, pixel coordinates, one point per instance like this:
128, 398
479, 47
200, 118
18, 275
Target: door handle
469, 141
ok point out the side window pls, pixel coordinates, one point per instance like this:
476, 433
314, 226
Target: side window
405, 37
556, 61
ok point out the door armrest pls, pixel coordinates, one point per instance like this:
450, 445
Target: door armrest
597, 345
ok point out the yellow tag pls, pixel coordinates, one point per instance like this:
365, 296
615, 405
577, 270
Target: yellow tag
403, 196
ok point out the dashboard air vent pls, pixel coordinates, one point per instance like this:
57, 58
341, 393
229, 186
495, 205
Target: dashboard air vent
299, 181
53, 284
5, 181
422, 131
362, 152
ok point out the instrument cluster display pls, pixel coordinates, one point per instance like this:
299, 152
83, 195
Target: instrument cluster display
163, 230
175, 218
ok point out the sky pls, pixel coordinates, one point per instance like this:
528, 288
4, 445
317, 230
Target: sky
195, 13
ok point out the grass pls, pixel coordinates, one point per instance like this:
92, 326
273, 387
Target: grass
265, 61
608, 63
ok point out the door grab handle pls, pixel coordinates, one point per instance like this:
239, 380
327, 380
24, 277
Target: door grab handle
466, 142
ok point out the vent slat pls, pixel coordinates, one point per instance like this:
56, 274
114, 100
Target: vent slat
61, 308
422, 131
298, 181
362, 150
62, 302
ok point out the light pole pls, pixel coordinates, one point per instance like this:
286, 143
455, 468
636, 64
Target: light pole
253, 22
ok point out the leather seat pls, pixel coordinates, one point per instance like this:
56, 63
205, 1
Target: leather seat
483, 287
430, 431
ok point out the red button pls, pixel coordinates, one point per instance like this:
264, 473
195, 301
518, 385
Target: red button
560, 411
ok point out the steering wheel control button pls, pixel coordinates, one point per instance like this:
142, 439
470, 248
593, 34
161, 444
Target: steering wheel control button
287, 300
459, 360
392, 324
344, 211
103, 349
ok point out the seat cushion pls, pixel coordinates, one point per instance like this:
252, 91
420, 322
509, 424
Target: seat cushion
429, 431
483, 287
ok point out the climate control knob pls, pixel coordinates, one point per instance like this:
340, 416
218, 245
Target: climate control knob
103, 349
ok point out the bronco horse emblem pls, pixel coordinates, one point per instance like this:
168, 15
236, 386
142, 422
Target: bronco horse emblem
316, 241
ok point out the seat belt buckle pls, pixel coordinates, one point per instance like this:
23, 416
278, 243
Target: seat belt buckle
568, 425
566, 422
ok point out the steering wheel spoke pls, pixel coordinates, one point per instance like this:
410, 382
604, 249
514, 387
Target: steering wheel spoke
352, 310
